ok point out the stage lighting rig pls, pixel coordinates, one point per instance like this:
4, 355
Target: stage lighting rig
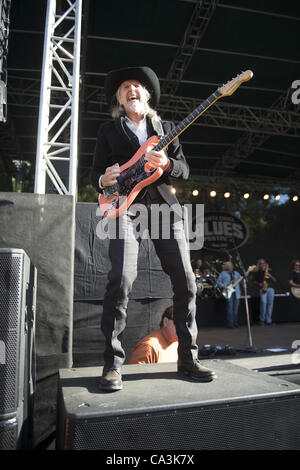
4, 32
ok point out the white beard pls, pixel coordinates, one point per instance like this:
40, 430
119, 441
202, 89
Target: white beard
137, 107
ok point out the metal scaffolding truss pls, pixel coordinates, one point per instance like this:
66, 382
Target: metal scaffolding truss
25, 92
271, 121
57, 139
282, 116
202, 13
10, 148
4, 33
246, 123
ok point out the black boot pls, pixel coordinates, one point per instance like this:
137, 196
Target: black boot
196, 371
111, 380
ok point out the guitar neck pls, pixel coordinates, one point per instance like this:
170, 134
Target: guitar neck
242, 277
167, 139
236, 282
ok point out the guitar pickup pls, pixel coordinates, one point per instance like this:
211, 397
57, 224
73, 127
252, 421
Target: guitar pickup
110, 191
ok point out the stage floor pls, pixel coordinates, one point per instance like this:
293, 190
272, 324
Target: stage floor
159, 410
279, 364
281, 335
273, 352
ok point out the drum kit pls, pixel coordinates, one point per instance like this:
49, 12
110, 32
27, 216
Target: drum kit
206, 281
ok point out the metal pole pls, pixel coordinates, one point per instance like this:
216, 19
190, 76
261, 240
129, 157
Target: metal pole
75, 102
59, 99
42, 136
251, 347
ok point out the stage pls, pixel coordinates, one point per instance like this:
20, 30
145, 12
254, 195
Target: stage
68, 327
263, 381
251, 405
271, 359
239, 162
280, 335
241, 409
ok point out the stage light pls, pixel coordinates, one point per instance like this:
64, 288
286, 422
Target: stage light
246, 196
213, 193
227, 195
173, 190
266, 197
295, 198
195, 192
277, 197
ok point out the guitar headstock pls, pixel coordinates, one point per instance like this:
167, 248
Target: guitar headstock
230, 87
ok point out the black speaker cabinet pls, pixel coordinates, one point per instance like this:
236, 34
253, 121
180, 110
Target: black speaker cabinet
156, 409
17, 358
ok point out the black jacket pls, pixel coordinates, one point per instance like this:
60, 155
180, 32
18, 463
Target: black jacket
116, 143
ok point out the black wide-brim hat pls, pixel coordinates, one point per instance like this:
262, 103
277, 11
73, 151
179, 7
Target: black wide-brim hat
144, 75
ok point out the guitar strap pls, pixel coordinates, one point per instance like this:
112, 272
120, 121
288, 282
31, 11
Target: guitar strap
157, 127
152, 125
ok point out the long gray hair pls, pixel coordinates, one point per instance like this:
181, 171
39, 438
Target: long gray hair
117, 109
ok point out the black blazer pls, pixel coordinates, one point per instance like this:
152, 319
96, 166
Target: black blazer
116, 143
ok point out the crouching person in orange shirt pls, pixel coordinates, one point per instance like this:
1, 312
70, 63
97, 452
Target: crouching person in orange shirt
159, 346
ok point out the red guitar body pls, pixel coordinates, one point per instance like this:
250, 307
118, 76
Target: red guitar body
134, 176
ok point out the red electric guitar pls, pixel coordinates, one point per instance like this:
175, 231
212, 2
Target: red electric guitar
135, 174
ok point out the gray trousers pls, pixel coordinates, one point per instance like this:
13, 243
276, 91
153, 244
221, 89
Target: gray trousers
175, 260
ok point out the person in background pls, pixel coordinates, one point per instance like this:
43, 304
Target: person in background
159, 346
227, 277
198, 267
263, 278
294, 278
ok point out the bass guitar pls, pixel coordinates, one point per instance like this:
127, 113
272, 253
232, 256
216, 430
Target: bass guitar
135, 174
227, 293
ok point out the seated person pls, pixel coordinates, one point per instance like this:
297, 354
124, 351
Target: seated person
159, 346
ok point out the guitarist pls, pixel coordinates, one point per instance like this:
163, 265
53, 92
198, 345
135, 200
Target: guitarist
132, 93
227, 277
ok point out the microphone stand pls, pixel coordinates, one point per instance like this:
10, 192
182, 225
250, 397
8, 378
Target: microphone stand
251, 348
